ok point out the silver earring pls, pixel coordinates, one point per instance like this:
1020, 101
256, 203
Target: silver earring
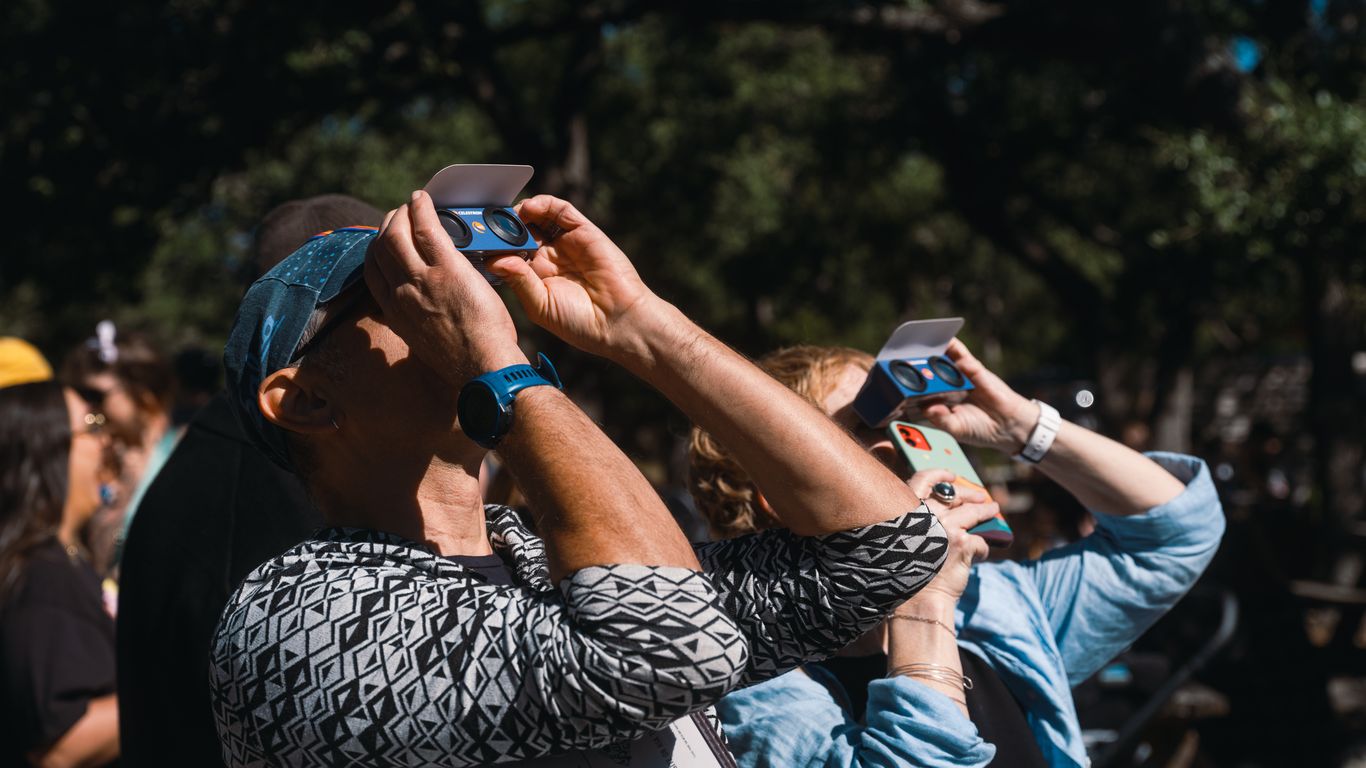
334, 424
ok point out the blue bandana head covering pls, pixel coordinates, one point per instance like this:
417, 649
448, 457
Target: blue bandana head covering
272, 318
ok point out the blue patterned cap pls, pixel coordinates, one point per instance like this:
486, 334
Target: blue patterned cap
272, 318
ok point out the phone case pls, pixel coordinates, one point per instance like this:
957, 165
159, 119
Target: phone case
929, 448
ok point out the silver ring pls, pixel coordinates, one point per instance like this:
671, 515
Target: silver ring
944, 493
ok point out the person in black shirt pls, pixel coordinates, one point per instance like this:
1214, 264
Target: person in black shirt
217, 509
56, 640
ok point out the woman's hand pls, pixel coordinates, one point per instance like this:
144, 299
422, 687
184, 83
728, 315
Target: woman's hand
921, 630
970, 508
579, 286
993, 416
1102, 474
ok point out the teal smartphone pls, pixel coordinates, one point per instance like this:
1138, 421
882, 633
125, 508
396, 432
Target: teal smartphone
929, 448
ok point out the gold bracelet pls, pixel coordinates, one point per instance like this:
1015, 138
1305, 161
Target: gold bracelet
960, 682
935, 672
923, 620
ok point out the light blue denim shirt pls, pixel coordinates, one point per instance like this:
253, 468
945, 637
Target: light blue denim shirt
1043, 625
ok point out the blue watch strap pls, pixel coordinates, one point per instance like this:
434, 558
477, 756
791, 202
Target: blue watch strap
490, 396
506, 382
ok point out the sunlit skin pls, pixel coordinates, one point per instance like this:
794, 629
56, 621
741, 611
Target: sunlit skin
839, 404
390, 397
86, 468
137, 423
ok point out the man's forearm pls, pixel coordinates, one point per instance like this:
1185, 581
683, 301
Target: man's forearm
810, 470
593, 506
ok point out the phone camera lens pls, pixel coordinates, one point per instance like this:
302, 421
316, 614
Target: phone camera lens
907, 376
946, 371
455, 227
505, 226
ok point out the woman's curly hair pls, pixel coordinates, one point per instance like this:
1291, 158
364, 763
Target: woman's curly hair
724, 493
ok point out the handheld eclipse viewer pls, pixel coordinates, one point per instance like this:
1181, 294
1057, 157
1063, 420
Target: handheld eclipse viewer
474, 203
912, 371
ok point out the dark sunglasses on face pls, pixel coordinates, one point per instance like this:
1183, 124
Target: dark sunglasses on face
93, 395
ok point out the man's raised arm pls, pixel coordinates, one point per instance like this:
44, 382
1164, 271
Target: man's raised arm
582, 288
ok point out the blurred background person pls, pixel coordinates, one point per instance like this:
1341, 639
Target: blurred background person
57, 701
129, 380
216, 510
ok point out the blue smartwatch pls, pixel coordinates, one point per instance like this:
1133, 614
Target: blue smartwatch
485, 404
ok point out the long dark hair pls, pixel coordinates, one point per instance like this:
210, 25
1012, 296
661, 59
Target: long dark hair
35, 449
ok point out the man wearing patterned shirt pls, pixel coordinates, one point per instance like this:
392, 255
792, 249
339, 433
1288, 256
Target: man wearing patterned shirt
425, 628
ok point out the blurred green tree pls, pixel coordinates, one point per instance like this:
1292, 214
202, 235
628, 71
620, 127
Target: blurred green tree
1130, 194
1135, 195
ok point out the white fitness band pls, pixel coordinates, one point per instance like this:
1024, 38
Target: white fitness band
1041, 439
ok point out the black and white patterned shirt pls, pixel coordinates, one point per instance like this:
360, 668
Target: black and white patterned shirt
359, 647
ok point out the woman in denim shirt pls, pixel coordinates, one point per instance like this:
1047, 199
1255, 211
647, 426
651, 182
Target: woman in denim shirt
1026, 631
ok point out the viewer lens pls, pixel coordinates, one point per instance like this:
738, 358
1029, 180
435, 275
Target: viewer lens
946, 371
455, 227
907, 376
505, 226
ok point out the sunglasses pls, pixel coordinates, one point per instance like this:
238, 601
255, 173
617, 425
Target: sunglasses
353, 299
94, 395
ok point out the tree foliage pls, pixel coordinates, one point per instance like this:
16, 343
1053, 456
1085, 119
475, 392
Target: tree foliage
1146, 196
1129, 192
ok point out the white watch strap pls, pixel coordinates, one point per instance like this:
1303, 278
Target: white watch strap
1041, 439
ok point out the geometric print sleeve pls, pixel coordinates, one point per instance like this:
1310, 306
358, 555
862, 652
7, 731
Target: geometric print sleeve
378, 652
802, 598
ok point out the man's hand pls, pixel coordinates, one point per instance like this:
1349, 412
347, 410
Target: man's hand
580, 286
432, 296
993, 416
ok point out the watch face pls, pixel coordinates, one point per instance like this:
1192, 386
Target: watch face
478, 411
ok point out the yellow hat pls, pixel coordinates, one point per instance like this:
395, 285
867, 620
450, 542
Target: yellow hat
21, 363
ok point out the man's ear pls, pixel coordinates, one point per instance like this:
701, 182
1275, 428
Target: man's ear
290, 402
